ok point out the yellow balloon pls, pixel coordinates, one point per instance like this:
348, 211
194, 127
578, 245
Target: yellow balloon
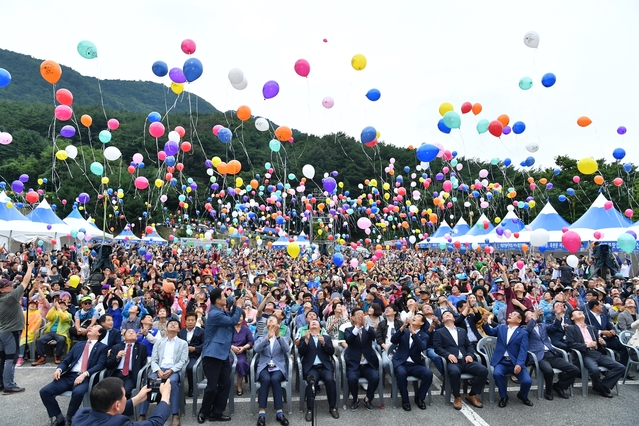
188, 189
445, 107
120, 195
9, 204
319, 232
374, 182
532, 204
177, 88
293, 249
215, 161
377, 134
497, 220
105, 180
61, 155
74, 280
239, 181
341, 184
386, 196
159, 183
386, 186
587, 166
186, 205
40, 181
358, 62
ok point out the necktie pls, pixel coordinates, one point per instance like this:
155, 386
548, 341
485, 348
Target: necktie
85, 357
127, 360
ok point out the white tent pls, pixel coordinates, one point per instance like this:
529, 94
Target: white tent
77, 222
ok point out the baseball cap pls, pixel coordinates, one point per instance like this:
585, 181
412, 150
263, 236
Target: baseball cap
5, 283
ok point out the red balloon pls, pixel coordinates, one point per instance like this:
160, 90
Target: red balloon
179, 166
64, 97
149, 230
131, 169
466, 107
495, 128
32, 197
572, 241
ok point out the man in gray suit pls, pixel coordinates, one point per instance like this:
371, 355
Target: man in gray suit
170, 356
627, 316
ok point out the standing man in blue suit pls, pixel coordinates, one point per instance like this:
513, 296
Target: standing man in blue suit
510, 356
219, 331
73, 374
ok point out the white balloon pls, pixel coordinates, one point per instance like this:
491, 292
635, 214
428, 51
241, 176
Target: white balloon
532, 147
236, 76
261, 124
308, 171
241, 85
174, 136
572, 261
71, 151
531, 39
412, 239
80, 235
111, 153
539, 237
510, 207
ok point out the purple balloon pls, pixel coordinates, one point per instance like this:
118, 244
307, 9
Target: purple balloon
439, 176
177, 75
208, 164
506, 130
67, 131
215, 187
632, 233
499, 230
270, 89
24, 178
329, 184
334, 173
622, 130
171, 148
49, 227
549, 185
148, 256
83, 198
17, 186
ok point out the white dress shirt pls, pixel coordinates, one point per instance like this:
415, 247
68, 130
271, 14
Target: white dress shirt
167, 361
121, 364
77, 368
509, 334
453, 332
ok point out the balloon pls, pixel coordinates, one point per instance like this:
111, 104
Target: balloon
452, 120
308, 171
241, 85
338, 259
261, 124
67, 131
283, 133
71, 151
141, 182
619, 153
620, 130
156, 129
236, 76
177, 75
97, 168
584, 121
233, 167
87, 49
270, 89
368, 134
86, 120
64, 96
571, 241
504, 119
364, 223
626, 242
525, 83
531, 39
63, 112
224, 135
477, 108
495, 128
275, 145
373, 95
113, 124
17, 186
548, 80
177, 88
51, 71
112, 153
5, 138
188, 46
532, 147
293, 250
329, 184
328, 102
5, 77
466, 107
244, 113
358, 62
519, 127
445, 107
572, 261
186, 146
587, 166
442, 126
302, 67
104, 136
74, 280
427, 152
539, 237
160, 68
192, 69
482, 126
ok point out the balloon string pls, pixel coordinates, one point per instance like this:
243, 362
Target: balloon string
97, 64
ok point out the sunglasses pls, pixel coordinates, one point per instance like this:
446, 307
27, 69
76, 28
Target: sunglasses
86, 303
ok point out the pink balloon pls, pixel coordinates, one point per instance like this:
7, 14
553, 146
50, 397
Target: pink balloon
138, 158
302, 67
629, 212
448, 186
608, 205
141, 182
63, 112
441, 149
328, 102
180, 131
156, 129
572, 241
576, 179
188, 46
216, 129
113, 124
520, 265
161, 155
597, 235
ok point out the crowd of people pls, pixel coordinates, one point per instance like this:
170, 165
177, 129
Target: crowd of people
417, 313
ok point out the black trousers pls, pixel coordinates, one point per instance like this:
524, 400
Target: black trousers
218, 376
325, 375
594, 359
189, 372
462, 367
128, 380
569, 371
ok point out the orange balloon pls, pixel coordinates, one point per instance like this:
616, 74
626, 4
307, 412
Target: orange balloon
254, 184
244, 113
531, 179
405, 225
86, 120
370, 264
283, 133
477, 108
233, 167
411, 147
320, 206
51, 71
524, 248
504, 119
222, 167
433, 218
543, 181
584, 121
599, 180
269, 244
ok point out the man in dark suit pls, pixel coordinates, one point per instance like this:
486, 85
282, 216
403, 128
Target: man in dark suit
84, 359
510, 356
583, 338
539, 343
112, 336
194, 336
556, 333
125, 360
411, 341
316, 350
452, 343
361, 359
601, 322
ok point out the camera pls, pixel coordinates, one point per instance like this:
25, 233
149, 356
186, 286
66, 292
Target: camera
154, 394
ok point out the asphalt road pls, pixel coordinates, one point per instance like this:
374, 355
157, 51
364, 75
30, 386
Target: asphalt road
26, 409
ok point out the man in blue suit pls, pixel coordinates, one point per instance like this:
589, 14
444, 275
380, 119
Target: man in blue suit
360, 357
126, 359
510, 356
556, 333
84, 359
539, 343
111, 335
411, 341
194, 336
219, 331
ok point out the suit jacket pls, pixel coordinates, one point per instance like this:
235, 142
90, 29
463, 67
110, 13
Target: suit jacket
308, 352
517, 347
89, 417
405, 350
138, 359
356, 348
624, 321
606, 322
445, 345
556, 332
197, 341
382, 329
538, 340
575, 339
114, 337
460, 321
634, 340
219, 332
97, 357
180, 354
281, 350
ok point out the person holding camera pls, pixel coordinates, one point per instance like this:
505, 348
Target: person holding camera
109, 406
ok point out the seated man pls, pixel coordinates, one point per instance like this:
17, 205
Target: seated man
360, 357
411, 340
452, 343
583, 338
600, 320
511, 351
316, 351
561, 320
433, 324
126, 359
85, 317
58, 324
194, 337
112, 335
170, 356
84, 359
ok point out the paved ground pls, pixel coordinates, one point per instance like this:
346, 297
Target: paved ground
26, 409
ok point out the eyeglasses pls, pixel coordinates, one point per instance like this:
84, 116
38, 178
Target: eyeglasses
86, 303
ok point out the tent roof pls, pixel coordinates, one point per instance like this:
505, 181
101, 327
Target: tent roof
510, 222
597, 217
10, 214
44, 214
476, 230
444, 228
127, 233
549, 219
460, 228
154, 237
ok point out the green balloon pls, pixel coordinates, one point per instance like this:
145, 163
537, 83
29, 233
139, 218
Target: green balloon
275, 145
626, 242
525, 83
452, 120
494, 161
482, 126
87, 49
97, 168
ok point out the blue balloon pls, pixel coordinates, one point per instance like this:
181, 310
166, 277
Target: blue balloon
530, 161
556, 172
443, 127
224, 135
570, 192
368, 134
192, 69
338, 259
507, 162
373, 95
406, 169
619, 153
548, 80
5, 77
170, 161
562, 198
160, 68
519, 127
154, 117
523, 163
427, 152
627, 167
454, 154
141, 165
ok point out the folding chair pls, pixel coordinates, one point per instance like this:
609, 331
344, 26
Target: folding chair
286, 385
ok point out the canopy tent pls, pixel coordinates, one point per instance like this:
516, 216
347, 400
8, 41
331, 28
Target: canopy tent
597, 217
127, 235
480, 227
460, 228
154, 238
281, 243
510, 222
77, 222
549, 219
15, 228
44, 214
302, 240
444, 228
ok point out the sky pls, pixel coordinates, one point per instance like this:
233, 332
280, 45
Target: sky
419, 55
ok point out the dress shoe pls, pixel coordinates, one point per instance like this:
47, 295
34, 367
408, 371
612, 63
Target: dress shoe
526, 401
474, 401
280, 418
368, 405
560, 392
261, 420
219, 418
503, 402
201, 418
607, 390
41, 360
56, 422
56, 359
548, 396
406, 406
70, 422
176, 420
355, 405
309, 415
334, 413
630, 377
457, 404
9, 391
602, 392
190, 393
420, 403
